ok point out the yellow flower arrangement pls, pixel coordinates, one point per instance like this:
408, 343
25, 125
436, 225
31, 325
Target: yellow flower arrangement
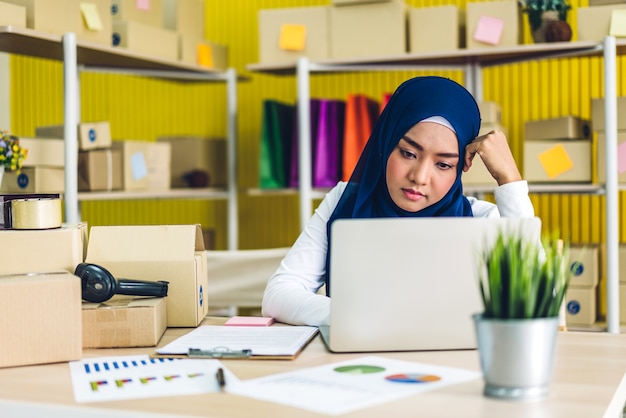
12, 155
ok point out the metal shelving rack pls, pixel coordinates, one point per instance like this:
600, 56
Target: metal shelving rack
79, 56
471, 62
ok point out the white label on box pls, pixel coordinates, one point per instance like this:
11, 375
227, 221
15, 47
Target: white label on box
138, 166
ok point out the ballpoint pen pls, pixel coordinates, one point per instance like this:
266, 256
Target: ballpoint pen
221, 381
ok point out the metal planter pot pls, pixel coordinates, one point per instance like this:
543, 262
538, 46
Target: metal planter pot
516, 356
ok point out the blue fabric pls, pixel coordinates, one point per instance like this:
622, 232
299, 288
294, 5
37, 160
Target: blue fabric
366, 195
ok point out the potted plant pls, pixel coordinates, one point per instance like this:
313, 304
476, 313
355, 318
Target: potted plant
12, 154
522, 284
548, 20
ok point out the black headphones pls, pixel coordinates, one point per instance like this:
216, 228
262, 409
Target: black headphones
99, 285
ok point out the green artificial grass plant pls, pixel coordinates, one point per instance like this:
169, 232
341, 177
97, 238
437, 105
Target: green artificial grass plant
520, 279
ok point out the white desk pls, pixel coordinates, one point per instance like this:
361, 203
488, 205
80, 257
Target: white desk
588, 370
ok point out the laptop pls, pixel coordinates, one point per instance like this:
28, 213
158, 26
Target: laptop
409, 284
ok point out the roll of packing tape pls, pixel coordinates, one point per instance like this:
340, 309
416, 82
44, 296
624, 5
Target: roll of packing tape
36, 213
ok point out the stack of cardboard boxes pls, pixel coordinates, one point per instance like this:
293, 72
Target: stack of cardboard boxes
167, 29
581, 296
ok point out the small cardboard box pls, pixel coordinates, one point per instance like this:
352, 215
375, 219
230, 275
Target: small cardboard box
12, 15
594, 22
134, 163
45, 152
198, 153
173, 253
91, 135
148, 13
100, 169
159, 161
440, 28
196, 51
145, 39
290, 33
557, 161
185, 17
45, 15
585, 265
566, 127
601, 156
34, 180
506, 13
490, 113
368, 30
40, 319
124, 322
353, 2
598, 113
43, 250
580, 305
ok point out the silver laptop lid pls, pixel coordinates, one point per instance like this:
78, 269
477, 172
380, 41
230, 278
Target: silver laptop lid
405, 284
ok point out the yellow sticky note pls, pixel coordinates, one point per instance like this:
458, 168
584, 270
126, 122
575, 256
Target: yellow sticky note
618, 23
204, 55
91, 16
292, 37
555, 161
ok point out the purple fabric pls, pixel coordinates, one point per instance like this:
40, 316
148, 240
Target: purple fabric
328, 144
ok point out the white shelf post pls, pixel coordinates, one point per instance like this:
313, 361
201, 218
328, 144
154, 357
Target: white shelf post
612, 193
233, 221
70, 80
304, 141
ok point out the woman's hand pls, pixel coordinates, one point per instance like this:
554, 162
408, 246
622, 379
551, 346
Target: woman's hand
494, 150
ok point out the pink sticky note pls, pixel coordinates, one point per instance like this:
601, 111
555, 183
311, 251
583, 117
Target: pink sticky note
621, 158
142, 5
249, 321
489, 30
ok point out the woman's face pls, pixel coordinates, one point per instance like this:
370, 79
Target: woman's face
422, 167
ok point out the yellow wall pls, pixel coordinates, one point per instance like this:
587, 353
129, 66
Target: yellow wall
141, 108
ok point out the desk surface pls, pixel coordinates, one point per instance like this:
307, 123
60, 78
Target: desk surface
587, 382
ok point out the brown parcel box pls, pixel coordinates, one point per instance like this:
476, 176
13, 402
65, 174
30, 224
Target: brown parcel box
40, 319
566, 127
12, 15
145, 39
100, 169
43, 250
34, 180
601, 157
509, 11
44, 152
439, 28
45, 15
133, 10
134, 163
578, 151
598, 113
185, 17
91, 135
580, 304
594, 23
174, 253
124, 322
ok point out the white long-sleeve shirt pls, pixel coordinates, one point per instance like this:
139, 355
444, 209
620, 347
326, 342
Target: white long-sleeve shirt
291, 295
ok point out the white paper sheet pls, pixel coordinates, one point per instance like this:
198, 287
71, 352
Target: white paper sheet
130, 377
351, 385
263, 341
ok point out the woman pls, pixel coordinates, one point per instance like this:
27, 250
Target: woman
425, 138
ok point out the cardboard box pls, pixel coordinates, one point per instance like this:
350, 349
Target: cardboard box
440, 28
124, 322
601, 156
290, 33
34, 180
12, 15
100, 169
91, 135
91, 21
196, 51
134, 163
45, 152
353, 2
490, 113
159, 161
566, 127
598, 114
148, 13
45, 15
580, 305
173, 253
198, 153
564, 161
368, 30
585, 265
185, 17
508, 11
44, 250
594, 23
604, 2
40, 319
146, 39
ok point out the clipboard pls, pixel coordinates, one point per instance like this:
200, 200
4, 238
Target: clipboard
241, 342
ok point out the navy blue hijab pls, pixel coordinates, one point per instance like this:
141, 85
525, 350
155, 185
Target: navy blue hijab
366, 194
